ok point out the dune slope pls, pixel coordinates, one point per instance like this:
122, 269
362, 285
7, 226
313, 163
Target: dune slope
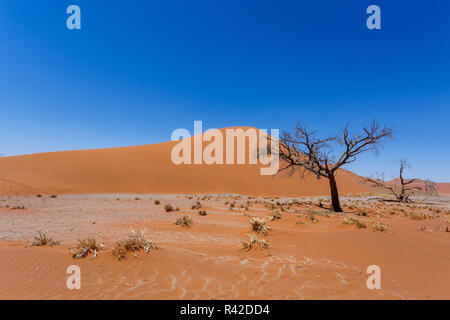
149, 169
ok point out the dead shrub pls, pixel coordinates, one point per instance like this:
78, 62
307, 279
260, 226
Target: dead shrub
132, 242
85, 247
379, 226
259, 226
197, 205
275, 216
42, 239
362, 213
169, 208
254, 240
184, 221
419, 216
356, 222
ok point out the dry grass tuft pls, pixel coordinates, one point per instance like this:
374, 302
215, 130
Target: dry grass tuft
197, 205
362, 213
379, 226
313, 218
259, 226
419, 216
254, 240
356, 222
134, 241
43, 240
275, 216
85, 247
184, 221
169, 208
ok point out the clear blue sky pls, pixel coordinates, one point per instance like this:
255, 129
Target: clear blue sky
139, 69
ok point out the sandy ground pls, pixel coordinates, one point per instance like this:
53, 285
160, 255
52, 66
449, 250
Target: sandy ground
320, 259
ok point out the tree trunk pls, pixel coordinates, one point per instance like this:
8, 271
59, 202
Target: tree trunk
334, 194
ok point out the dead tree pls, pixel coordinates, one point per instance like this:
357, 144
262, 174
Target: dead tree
429, 187
403, 188
303, 149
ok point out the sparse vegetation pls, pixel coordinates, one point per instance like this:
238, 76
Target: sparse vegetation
53, 196
85, 247
254, 240
202, 213
184, 221
42, 239
134, 241
419, 216
39, 195
157, 202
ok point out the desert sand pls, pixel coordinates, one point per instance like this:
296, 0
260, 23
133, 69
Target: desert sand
313, 253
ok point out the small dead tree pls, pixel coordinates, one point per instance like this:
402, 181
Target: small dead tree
303, 149
403, 188
429, 187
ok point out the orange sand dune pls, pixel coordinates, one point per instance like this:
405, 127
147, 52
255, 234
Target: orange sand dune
148, 169
443, 188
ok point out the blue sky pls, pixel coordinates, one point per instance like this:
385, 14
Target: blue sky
137, 70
